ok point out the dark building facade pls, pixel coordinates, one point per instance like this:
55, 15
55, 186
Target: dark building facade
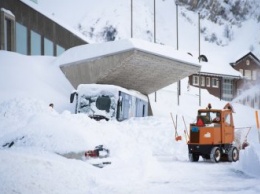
25, 30
248, 88
223, 87
245, 89
249, 66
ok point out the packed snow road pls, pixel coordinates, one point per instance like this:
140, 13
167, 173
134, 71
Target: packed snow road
202, 177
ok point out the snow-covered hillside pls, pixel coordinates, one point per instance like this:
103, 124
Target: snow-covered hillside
234, 11
225, 25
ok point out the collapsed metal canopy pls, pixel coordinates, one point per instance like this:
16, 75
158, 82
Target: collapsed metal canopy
133, 68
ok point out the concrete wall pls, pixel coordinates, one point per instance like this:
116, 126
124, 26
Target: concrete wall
131, 69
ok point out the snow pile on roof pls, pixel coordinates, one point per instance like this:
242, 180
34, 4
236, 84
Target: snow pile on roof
97, 90
220, 69
91, 51
7, 11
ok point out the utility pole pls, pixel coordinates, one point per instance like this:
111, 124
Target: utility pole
154, 37
199, 61
177, 42
154, 11
131, 18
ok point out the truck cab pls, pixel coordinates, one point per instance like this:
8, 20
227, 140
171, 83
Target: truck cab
212, 135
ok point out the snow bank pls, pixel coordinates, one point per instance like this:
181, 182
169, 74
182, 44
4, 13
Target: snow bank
33, 77
46, 131
249, 160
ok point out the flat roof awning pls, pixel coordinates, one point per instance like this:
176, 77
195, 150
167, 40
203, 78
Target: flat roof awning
132, 64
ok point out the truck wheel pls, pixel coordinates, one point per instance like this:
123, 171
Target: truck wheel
233, 154
194, 157
215, 155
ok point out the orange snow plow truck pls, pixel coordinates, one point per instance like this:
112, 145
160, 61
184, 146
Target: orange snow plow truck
212, 136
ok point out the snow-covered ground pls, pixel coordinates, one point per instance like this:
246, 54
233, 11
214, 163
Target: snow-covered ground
144, 156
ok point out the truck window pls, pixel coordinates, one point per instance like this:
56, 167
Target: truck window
209, 116
205, 116
228, 119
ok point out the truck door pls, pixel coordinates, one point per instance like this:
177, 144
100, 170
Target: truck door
228, 128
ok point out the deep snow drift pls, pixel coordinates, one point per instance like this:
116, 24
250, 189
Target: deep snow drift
33, 139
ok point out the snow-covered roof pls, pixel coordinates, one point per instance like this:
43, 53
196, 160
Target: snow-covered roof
92, 51
221, 69
53, 18
97, 89
241, 55
130, 63
7, 11
248, 54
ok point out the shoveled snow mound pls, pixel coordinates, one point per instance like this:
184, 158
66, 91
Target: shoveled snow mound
33, 77
249, 161
33, 124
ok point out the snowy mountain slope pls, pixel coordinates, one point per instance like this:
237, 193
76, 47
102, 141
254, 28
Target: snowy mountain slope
225, 25
234, 11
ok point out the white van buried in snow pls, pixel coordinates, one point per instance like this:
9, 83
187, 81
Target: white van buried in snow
107, 102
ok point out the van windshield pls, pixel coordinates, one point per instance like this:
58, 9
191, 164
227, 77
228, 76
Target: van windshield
99, 105
103, 103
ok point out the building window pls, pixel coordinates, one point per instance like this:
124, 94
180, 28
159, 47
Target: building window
227, 89
248, 74
59, 50
48, 47
195, 80
249, 100
215, 82
241, 71
21, 39
228, 119
254, 75
239, 92
259, 100
202, 79
35, 43
7, 35
208, 81
7, 27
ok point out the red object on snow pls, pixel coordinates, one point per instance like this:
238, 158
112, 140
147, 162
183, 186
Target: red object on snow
98, 152
91, 154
